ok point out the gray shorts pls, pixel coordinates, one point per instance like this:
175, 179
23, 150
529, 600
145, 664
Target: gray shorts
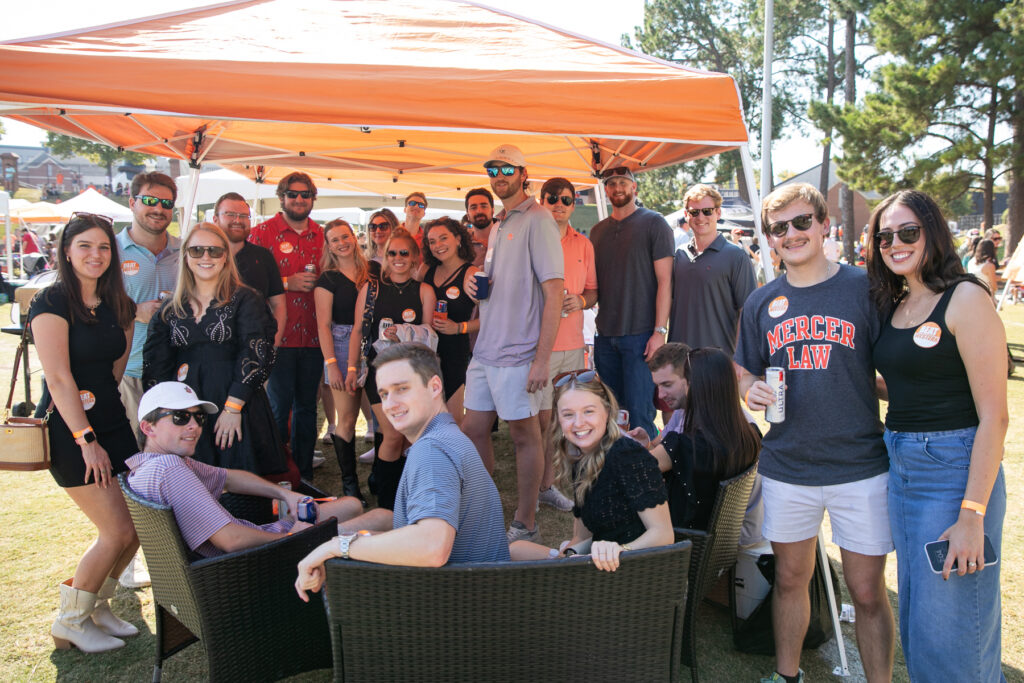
500, 389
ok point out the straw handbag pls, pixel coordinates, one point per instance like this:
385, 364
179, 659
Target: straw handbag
24, 442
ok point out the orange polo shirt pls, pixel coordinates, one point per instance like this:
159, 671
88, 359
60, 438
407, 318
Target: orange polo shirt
580, 274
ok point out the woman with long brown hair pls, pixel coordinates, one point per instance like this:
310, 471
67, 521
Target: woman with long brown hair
82, 326
217, 335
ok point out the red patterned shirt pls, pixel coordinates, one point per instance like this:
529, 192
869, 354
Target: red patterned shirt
293, 252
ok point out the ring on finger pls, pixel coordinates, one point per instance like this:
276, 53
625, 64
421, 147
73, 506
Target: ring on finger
972, 564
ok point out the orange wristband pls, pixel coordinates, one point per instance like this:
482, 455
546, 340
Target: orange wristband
231, 404
331, 360
81, 432
746, 396
978, 508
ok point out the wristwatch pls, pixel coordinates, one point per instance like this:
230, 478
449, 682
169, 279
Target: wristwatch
344, 541
661, 330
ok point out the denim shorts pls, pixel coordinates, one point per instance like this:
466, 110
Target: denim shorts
950, 630
341, 334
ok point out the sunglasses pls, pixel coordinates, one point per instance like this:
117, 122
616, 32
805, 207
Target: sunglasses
380, 226
93, 216
418, 205
149, 200
292, 194
801, 223
577, 376
907, 235
507, 169
181, 417
399, 252
618, 170
566, 201
234, 215
696, 212
214, 252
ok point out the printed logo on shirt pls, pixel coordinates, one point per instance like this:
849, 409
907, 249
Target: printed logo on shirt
130, 268
509, 237
88, 399
286, 247
778, 306
182, 372
928, 335
452, 292
408, 315
810, 328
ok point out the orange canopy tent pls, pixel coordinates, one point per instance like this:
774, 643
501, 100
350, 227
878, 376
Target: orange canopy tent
368, 94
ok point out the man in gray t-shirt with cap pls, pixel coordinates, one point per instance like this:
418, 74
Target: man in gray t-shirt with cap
518, 321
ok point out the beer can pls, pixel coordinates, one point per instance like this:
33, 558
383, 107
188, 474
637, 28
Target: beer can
310, 268
776, 379
441, 310
622, 419
281, 506
565, 293
307, 510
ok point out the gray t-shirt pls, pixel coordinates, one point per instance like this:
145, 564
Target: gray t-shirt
822, 336
708, 291
444, 478
624, 255
524, 250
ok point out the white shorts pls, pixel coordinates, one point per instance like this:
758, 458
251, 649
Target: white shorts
561, 361
500, 389
858, 511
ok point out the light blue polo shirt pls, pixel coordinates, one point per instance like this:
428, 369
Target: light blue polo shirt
145, 275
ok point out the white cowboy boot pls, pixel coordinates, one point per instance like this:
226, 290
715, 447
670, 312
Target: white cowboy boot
105, 619
73, 625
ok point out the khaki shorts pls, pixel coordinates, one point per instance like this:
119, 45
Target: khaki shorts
561, 361
501, 390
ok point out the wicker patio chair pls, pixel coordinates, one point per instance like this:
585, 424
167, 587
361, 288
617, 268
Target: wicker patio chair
241, 606
552, 620
714, 552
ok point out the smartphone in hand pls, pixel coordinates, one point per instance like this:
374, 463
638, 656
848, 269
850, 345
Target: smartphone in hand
937, 550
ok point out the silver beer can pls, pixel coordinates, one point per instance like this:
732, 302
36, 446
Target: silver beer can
776, 379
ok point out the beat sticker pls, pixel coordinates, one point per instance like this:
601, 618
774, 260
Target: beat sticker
927, 335
88, 399
182, 372
452, 292
408, 315
286, 247
130, 268
778, 306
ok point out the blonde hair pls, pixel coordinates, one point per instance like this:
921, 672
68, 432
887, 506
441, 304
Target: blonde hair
414, 250
330, 261
699, 192
228, 281
786, 195
588, 467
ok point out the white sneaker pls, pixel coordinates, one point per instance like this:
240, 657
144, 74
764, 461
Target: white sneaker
326, 438
367, 456
555, 499
135, 575
517, 531
318, 460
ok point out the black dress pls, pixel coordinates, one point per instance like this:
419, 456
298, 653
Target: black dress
93, 348
692, 483
453, 349
629, 483
394, 305
229, 352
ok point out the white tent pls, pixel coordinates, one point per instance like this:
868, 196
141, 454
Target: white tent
91, 201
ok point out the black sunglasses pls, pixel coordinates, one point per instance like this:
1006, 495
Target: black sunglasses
566, 201
380, 226
907, 235
801, 223
197, 252
292, 194
507, 169
181, 417
400, 252
618, 170
694, 212
577, 376
149, 200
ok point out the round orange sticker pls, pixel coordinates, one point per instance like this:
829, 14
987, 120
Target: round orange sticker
452, 292
130, 268
286, 247
182, 372
778, 306
408, 315
88, 399
928, 335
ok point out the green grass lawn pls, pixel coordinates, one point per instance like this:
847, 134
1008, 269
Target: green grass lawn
44, 534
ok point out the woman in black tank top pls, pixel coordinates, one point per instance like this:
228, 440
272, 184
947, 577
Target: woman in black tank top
448, 255
941, 353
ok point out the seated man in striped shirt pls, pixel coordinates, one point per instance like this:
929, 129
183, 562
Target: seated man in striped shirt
172, 416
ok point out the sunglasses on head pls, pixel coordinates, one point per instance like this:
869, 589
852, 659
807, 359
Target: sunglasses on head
197, 252
801, 223
907, 235
566, 201
292, 194
576, 376
418, 205
398, 252
92, 216
618, 170
695, 212
507, 169
181, 417
149, 200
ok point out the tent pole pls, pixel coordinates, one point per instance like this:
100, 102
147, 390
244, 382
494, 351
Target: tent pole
767, 180
755, 204
602, 207
5, 206
190, 200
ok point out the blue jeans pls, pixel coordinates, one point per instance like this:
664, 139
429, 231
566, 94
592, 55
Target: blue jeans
950, 630
621, 365
292, 389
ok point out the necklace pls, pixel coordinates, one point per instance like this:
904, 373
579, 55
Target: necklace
92, 308
401, 287
912, 312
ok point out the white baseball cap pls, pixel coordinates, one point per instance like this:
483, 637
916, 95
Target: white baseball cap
172, 396
506, 154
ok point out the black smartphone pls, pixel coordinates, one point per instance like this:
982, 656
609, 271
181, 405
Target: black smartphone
936, 552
